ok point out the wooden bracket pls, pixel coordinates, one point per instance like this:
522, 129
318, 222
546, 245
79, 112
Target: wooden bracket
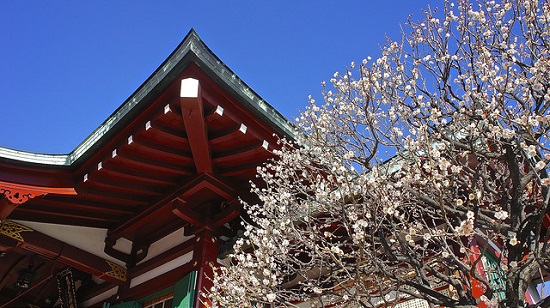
111, 251
13, 234
16, 194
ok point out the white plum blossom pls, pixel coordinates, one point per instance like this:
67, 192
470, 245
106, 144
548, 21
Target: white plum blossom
466, 227
271, 297
501, 215
413, 167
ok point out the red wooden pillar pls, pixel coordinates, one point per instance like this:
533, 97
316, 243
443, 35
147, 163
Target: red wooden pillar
478, 288
206, 257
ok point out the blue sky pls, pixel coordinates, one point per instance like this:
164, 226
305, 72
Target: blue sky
65, 66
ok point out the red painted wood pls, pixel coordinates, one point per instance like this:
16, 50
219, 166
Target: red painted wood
15, 194
192, 187
163, 258
148, 214
248, 169
150, 148
244, 155
68, 215
158, 283
137, 173
212, 92
220, 187
35, 175
59, 203
93, 192
133, 192
227, 214
233, 136
6, 208
116, 186
51, 248
195, 126
167, 135
149, 157
206, 256
189, 215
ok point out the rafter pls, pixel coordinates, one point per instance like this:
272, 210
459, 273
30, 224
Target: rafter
230, 136
187, 214
239, 170
146, 177
161, 152
107, 195
115, 184
258, 151
214, 114
69, 216
253, 128
146, 215
40, 217
137, 191
151, 164
81, 205
183, 191
195, 125
168, 134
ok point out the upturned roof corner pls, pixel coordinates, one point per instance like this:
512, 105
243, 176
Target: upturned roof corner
191, 50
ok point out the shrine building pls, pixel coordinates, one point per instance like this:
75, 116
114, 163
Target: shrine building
138, 212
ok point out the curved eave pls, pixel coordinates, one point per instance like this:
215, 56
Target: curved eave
37, 158
191, 49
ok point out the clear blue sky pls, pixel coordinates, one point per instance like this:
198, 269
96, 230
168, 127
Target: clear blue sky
65, 66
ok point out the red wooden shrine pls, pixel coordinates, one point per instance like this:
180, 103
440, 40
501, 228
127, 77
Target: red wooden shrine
149, 201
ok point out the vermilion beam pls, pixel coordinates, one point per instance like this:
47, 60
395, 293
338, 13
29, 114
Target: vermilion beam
243, 154
67, 215
61, 204
231, 136
180, 210
168, 134
206, 257
134, 173
253, 128
150, 213
165, 153
195, 126
16, 194
183, 192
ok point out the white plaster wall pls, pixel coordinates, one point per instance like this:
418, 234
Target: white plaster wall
89, 239
171, 240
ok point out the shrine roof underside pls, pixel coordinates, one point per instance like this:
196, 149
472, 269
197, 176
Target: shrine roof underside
178, 154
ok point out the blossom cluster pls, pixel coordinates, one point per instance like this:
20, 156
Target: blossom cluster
415, 165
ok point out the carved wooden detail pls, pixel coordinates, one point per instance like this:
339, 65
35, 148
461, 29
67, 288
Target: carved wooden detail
117, 271
21, 193
17, 196
13, 230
